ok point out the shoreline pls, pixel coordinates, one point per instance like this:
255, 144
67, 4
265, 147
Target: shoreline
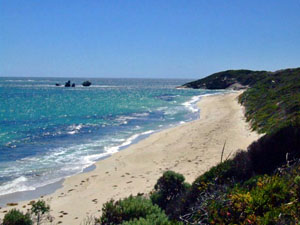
50, 188
190, 148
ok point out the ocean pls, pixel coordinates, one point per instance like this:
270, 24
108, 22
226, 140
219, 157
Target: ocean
48, 133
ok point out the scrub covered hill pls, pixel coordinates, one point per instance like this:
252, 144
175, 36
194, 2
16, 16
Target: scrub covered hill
225, 79
272, 100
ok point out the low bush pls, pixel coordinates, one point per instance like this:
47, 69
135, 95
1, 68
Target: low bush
270, 151
160, 219
168, 187
261, 200
223, 173
131, 209
15, 217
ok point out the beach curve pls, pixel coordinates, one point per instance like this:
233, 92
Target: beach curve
191, 149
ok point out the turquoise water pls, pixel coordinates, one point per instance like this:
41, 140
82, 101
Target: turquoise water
49, 132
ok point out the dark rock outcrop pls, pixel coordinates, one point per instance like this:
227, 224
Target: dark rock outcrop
86, 83
68, 83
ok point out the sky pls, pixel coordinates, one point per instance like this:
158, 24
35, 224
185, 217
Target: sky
146, 39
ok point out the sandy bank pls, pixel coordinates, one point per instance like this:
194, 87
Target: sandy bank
190, 149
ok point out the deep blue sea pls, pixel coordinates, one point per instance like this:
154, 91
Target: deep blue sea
48, 132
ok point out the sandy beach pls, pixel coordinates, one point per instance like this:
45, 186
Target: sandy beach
191, 149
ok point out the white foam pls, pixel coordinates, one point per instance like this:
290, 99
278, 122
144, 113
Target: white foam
16, 185
191, 104
74, 129
141, 114
128, 141
18, 80
125, 119
103, 86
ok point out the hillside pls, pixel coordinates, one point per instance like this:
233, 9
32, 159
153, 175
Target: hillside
228, 79
274, 102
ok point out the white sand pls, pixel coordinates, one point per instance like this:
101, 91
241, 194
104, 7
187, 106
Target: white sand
190, 149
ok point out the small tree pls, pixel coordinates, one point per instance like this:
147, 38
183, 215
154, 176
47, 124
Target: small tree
15, 217
168, 187
39, 209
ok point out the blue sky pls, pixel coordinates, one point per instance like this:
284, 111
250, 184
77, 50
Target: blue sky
137, 38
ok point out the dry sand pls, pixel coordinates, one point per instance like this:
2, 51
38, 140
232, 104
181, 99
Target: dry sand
191, 149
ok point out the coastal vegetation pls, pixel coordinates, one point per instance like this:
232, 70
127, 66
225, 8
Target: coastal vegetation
36, 215
274, 102
258, 186
225, 79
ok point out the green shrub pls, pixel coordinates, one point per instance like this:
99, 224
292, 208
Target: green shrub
220, 174
270, 151
39, 209
130, 209
170, 193
15, 217
168, 188
159, 219
272, 200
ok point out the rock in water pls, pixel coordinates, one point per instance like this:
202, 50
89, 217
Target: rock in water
57, 84
73, 85
86, 83
68, 84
